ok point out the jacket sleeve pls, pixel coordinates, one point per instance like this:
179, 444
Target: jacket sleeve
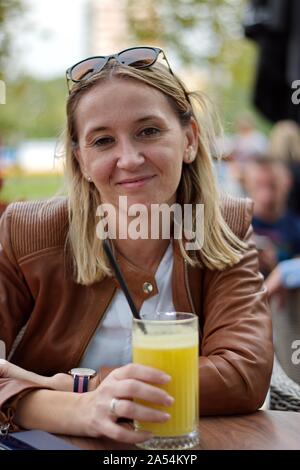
15, 306
237, 349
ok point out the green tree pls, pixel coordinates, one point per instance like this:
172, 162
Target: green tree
207, 35
196, 30
10, 10
34, 109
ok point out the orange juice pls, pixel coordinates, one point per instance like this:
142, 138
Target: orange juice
177, 355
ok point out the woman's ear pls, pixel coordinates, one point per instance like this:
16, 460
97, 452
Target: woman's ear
192, 139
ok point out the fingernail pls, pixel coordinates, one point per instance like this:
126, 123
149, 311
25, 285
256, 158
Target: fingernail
169, 400
166, 417
166, 378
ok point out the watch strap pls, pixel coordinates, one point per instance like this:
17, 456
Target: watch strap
81, 383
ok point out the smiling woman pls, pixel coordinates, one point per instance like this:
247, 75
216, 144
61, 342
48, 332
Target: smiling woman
133, 131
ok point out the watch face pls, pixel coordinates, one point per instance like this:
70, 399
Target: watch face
83, 372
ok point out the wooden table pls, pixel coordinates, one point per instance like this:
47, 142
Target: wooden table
263, 430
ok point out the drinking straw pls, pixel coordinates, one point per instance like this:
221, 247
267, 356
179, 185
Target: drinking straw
122, 283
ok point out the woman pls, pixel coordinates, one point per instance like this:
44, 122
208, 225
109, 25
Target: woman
284, 145
133, 130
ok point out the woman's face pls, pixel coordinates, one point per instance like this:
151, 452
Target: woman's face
131, 142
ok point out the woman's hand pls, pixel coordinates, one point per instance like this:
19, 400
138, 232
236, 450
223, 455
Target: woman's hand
274, 282
123, 385
277, 293
93, 412
11, 371
61, 382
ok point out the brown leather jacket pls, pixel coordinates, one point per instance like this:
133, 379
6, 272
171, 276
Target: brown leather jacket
37, 290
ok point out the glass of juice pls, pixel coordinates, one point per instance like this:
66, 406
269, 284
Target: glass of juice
169, 342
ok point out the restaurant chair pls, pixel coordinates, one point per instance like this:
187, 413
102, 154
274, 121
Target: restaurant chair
285, 381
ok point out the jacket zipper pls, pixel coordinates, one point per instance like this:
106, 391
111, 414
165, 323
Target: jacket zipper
186, 279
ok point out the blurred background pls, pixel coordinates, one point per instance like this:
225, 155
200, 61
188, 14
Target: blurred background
218, 46
39, 39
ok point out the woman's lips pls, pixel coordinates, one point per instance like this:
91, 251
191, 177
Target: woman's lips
136, 183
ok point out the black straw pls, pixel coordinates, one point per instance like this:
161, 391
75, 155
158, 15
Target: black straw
122, 283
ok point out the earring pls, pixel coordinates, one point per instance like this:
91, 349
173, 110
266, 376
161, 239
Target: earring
89, 179
190, 155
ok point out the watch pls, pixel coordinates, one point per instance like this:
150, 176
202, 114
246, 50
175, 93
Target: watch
81, 376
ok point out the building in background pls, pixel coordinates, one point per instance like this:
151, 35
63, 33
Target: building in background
107, 31
107, 27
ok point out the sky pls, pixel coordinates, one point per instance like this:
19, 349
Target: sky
50, 37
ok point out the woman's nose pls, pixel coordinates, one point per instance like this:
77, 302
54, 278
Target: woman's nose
129, 157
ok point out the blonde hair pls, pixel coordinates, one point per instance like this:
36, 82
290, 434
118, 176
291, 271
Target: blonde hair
221, 248
284, 141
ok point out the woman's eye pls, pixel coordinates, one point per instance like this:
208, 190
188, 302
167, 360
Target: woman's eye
103, 141
150, 131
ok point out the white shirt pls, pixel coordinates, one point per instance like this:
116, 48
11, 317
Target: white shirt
111, 344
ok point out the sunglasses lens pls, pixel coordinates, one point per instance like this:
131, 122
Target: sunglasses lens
87, 68
138, 58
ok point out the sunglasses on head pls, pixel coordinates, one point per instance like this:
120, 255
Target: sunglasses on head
137, 57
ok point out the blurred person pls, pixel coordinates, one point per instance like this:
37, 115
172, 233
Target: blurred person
284, 145
247, 141
227, 181
132, 130
246, 144
277, 229
285, 276
224, 168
